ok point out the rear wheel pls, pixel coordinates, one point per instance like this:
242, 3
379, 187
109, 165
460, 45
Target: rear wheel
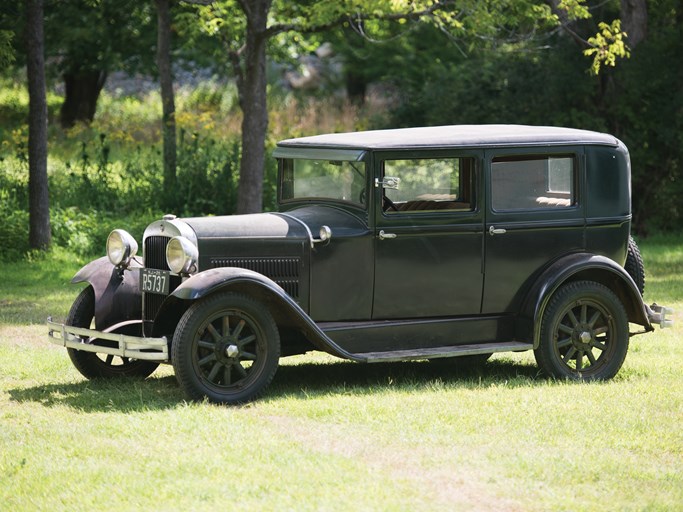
96, 366
584, 333
226, 348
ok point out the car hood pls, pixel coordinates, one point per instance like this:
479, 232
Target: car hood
258, 225
304, 222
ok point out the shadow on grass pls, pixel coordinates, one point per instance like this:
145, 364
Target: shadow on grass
116, 395
310, 379
303, 380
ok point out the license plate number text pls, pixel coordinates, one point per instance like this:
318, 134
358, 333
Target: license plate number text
154, 281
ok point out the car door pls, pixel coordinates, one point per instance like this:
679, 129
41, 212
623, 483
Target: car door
428, 235
534, 215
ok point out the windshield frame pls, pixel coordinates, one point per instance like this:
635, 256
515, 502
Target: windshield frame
357, 159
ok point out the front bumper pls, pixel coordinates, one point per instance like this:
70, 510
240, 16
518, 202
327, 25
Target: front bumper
133, 347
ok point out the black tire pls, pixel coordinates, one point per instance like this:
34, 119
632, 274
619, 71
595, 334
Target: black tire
226, 348
584, 333
634, 265
101, 366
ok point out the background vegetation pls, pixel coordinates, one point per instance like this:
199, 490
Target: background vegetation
503, 67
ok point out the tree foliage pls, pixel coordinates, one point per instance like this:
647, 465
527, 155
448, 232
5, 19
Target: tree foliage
440, 62
606, 46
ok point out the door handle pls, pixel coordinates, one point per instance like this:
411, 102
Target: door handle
497, 231
384, 236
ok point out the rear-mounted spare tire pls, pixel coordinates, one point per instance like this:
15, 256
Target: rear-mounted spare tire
634, 265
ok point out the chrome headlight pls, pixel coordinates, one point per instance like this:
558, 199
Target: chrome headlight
121, 247
325, 233
181, 255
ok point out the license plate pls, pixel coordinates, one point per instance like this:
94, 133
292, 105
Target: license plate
154, 281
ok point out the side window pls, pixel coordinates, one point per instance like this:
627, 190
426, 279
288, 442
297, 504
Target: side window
430, 184
533, 182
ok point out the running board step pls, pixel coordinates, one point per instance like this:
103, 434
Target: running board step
436, 352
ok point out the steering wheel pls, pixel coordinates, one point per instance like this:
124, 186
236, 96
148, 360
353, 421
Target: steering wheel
388, 204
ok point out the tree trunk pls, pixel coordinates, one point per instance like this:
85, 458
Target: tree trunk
39, 200
167, 100
252, 92
82, 89
356, 87
634, 21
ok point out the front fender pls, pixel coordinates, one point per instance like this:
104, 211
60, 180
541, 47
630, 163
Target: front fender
212, 280
578, 267
117, 292
285, 310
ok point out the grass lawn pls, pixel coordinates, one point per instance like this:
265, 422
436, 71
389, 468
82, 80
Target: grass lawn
335, 435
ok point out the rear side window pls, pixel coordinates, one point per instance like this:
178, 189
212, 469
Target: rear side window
533, 182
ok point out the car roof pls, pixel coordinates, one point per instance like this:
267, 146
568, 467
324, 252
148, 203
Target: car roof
455, 136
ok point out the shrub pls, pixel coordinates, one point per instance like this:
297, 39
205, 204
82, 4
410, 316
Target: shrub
207, 175
85, 233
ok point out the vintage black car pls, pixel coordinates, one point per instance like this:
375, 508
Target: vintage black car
389, 245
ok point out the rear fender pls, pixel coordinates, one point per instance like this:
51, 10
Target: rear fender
579, 267
117, 292
286, 312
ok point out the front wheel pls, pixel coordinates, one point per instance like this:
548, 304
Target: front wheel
97, 366
226, 348
584, 333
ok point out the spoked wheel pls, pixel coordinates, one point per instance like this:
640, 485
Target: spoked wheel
584, 334
226, 348
96, 366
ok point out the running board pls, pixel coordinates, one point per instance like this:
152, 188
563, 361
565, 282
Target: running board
437, 352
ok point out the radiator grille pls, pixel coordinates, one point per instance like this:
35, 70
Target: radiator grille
155, 252
155, 257
284, 271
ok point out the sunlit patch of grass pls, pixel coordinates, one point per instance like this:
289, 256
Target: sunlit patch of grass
40, 286
663, 258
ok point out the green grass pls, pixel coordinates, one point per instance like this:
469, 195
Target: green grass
335, 435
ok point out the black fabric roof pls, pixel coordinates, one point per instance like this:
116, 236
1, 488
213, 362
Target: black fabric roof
454, 136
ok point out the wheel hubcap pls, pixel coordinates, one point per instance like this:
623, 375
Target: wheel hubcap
585, 337
232, 351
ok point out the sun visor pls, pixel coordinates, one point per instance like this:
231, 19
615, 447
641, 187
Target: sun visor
309, 153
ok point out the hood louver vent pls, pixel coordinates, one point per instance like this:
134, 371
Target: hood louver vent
284, 271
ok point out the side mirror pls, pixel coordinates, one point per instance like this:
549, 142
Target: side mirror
389, 182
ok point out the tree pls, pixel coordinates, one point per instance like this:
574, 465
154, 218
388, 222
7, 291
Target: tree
167, 97
39, 204
89, 39
634, 21
245, 27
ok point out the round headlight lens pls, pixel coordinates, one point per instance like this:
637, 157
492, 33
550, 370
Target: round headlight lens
325, 233
181, 255
121, 247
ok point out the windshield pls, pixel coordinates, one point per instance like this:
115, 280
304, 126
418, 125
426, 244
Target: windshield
323, 179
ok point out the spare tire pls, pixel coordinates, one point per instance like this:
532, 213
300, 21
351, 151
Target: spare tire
634, 265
